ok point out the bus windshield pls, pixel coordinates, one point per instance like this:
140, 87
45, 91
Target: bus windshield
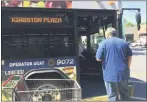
20, 46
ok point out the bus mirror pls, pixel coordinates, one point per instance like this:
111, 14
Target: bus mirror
138, 19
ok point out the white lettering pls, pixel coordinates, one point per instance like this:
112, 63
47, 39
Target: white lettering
6, 73
19, 64
39, 63
58, 62
14, 72
63, 61
10, 64
66, 61
23, 64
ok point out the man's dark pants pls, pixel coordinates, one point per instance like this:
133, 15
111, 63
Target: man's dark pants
117, 91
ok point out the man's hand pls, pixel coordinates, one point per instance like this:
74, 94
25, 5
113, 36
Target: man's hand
98, 60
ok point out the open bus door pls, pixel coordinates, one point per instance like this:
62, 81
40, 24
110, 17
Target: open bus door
92, 25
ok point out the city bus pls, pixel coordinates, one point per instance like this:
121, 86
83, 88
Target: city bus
41, 43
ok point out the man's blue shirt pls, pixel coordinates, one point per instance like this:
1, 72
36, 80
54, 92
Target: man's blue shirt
114, 53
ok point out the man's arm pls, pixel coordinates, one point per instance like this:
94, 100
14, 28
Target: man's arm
99, 53
129, 61
129, 56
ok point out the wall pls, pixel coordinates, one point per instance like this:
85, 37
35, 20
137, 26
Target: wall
132, 30
143, 29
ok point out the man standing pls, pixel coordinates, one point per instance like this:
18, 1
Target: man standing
116, 56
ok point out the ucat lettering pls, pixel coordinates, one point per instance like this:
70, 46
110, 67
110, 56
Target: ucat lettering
14, 72
38, 63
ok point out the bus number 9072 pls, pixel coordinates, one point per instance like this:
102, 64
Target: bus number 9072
65, 61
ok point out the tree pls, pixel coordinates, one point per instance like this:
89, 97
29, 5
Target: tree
129, 24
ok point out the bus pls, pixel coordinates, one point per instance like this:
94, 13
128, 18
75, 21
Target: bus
40, 48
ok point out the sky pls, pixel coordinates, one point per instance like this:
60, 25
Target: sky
130, 15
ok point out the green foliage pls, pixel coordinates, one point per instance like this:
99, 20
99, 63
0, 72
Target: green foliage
128, 23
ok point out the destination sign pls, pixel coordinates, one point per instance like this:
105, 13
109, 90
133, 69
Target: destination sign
36, 20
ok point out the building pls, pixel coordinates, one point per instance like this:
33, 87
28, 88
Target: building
143, 29
131, 33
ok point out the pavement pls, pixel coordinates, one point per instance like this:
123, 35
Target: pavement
138, 66
138, 72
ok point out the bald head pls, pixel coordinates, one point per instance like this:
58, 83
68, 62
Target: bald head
110, 32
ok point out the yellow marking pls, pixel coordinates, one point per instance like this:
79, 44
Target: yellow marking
98, 98
5, 97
